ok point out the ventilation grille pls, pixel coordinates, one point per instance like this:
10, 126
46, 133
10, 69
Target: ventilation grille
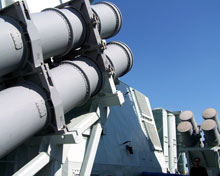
143, 105
151, 131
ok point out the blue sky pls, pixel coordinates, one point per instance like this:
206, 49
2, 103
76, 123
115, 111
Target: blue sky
176, 47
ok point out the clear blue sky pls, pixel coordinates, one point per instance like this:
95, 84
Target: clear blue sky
176, 47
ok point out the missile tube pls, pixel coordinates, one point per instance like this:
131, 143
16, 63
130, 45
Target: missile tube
121, 51
75, 81
188, 116
23, 113
24, 110
211, 113
186, 130
110, 19
209, 128
11, 45
60, 31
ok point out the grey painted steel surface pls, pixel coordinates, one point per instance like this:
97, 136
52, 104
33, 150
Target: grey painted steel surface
109, 17
75, 81
11, 46
124, 128
186, 130
118, 54
60, 30
209, 128
23, 113
189, 116
211, 113
160, 116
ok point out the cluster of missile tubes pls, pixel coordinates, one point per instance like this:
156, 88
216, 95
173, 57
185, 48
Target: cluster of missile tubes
52, 62
191, 133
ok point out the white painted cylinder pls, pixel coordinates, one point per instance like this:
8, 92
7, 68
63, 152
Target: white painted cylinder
172, 142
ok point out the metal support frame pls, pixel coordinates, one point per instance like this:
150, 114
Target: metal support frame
111, 96
91, 150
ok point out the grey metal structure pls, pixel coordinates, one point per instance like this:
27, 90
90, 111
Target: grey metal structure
187, 133
59, 30
211, 127
53, 62
59, 81
209, 157
189, 116
75, 81
181, 158
171, 140
210, 130
189, 130
207, 150
130, 143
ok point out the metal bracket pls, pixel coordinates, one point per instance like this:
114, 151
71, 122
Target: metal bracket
80, 124
109, 95
93, 45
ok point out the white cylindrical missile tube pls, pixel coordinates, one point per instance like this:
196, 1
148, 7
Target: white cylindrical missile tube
110, 18
79, 79
189, 116
11, 45
211, 113
186, 130
76, 81
60, 30
23, 113
120, 57
209, 128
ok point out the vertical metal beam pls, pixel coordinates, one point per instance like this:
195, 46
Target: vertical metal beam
91, 150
